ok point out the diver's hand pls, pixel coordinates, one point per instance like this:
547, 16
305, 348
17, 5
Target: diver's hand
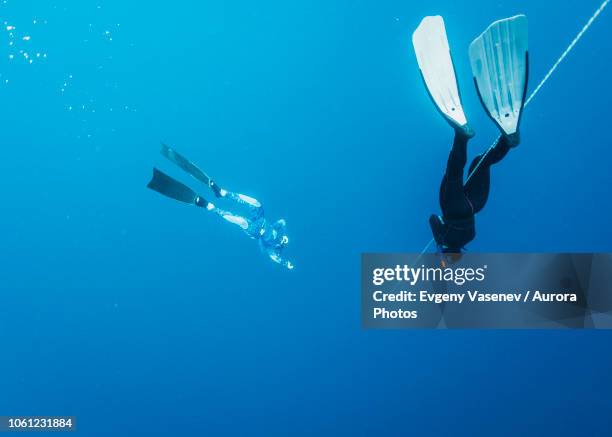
284, 240
275, 256
288, 265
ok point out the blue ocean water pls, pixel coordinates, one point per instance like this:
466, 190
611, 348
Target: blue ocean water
142, 316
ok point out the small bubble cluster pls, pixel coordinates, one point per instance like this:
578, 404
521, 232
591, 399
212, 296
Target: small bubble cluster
21, 45
89, 91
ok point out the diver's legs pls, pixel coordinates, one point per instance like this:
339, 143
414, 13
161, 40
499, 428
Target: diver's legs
457, 158
255, 209
238, 220
478, 185
253, 220
453, 202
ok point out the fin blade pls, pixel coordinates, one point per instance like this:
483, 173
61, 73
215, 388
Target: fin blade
169, 187
184, 164
433, 56
499, 61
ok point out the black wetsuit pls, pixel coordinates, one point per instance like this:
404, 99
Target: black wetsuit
461, 202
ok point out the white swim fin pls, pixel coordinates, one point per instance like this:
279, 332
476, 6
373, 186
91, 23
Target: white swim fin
500, 65
434, 59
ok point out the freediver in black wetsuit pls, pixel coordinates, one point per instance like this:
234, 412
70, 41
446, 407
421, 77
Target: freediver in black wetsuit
461, 202
499, 60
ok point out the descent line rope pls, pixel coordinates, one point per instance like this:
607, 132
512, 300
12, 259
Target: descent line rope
535, 92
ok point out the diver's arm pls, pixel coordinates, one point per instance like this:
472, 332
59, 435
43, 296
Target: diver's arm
279, 260
274, 247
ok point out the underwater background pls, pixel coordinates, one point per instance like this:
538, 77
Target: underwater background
143, 316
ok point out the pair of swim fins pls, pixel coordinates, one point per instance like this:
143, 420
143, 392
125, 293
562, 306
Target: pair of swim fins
170, 187
499, 60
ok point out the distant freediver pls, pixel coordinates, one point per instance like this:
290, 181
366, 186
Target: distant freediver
499, 60
272, 237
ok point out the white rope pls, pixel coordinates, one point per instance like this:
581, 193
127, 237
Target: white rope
568, 50
537, 90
